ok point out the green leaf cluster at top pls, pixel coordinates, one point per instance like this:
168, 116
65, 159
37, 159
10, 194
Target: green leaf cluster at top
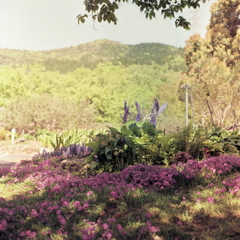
104, 10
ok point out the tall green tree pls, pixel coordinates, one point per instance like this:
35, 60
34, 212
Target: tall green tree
104, 10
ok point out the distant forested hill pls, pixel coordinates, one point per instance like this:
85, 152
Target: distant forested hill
89, 55
89, 83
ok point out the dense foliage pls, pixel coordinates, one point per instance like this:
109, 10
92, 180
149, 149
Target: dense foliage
85, 96
45, 111
213, 72
140, 142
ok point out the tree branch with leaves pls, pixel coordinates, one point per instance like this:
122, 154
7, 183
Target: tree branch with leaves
104, 10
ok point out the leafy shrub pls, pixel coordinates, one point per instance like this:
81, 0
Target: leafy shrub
58, 140
191, 140
4, 134
221, 141
31, 114
116, 149
27, 137
161, 149
141, 128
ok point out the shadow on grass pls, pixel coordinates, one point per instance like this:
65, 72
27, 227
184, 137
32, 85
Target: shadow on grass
173, 211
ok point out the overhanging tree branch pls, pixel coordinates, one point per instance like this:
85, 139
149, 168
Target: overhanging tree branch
104, 10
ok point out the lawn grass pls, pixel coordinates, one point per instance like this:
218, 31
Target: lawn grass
41, 201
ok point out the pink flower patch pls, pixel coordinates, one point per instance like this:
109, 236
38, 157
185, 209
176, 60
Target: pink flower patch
210, 199
105, 226
76, 204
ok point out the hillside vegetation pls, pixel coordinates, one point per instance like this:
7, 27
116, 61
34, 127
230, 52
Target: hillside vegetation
89, 55
87, 83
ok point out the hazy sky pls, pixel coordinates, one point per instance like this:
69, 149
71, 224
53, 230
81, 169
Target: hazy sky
51, 24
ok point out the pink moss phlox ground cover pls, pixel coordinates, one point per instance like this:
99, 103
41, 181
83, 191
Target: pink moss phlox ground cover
68, 198
150, 176
4, 171
233, 184
76, 197
209, 166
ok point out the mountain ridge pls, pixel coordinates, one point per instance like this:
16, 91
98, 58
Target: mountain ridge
90, 54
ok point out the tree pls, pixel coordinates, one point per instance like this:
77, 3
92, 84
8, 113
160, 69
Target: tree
45, 111
213, 67
104, 10
222, 38
215, 88
193, 50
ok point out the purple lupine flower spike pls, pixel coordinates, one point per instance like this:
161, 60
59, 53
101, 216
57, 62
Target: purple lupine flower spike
162, 109
153, 119
156, 104
126, 112
70, 151
138, 116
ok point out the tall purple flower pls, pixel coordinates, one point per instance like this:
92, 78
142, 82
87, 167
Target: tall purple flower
156, 111
156, 105
153, 119
162, 109
138, 116
126, 112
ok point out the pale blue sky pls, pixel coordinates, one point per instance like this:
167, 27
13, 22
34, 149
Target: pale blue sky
51, 24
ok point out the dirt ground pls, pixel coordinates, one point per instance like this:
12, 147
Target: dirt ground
27, 147
12, 153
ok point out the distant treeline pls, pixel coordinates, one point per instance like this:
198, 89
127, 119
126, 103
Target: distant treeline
88, 84
89, 55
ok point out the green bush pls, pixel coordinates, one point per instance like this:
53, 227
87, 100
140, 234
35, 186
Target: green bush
142, 143
191, 140
117, 149
4, 134
27, 137
28, 115
66, 138
160, 149
221, 141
